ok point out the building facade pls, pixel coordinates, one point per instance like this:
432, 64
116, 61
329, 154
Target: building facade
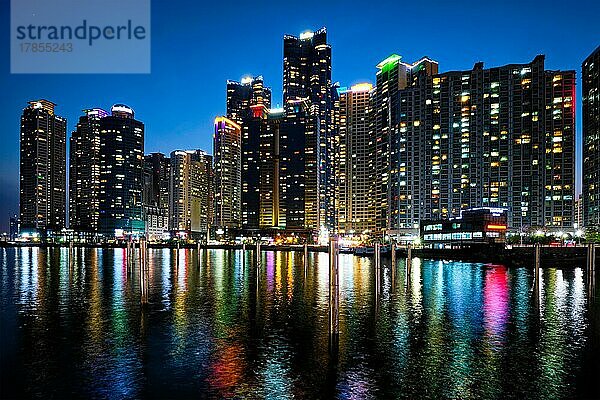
156, 195
392, 150
241, 95
307, 79
227, 153
247, 101
42, 170
501, 137
120, 196
15, 227
590, 74
191, 194
355, 166
84, 173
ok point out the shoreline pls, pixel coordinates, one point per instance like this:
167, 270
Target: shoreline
515, 256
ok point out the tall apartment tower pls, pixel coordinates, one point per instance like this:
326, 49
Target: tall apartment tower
247, 102
392, 77
499, 137
272, 215
244, 94
42, 169
191, 194
307, 78
590, 76
355, 166
227, 153
559, 150
84, 173
299, 167
121, 211
157, 169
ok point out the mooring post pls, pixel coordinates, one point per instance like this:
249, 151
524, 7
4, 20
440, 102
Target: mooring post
591, 258
70, 254
177, 255
393, 269
144, 269
258, 254
377, 258
127, 255
536, 272
305, 261
334, 290
243, 256
408, 259
305, 258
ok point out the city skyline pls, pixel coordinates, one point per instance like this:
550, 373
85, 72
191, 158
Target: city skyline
196, 131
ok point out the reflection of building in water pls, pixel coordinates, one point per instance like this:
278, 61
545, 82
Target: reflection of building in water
474, 226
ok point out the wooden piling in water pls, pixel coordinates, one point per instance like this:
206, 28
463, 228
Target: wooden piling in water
305, 259
393, 262
408, 259
71, 261
258, 254
377, 259
334, 289
591, 258
144, 271
536, 272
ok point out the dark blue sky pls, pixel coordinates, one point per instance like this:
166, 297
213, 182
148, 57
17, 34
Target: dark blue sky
196, 47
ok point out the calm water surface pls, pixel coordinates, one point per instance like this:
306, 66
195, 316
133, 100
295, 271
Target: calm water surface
217, 328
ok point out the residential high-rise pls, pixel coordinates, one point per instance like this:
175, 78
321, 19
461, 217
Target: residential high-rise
156, 195
559, 150
392, 77
246, 101
272, 215
499, 137
227, 143
191, 194
299, 167
245, 94
590, 76
84, 173
307, 79
42, 169
355, 166
121, 211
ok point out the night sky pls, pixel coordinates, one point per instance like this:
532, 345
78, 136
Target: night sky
196, 47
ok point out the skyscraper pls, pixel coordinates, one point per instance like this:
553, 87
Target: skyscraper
227, 143
245, 94
42, 169
156, 195
499, 137
559, 150
393, 76
191, 194
121, 210
246, 104
307, 78
84, 172
272, 215
590, 75
355, 164
299, 167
